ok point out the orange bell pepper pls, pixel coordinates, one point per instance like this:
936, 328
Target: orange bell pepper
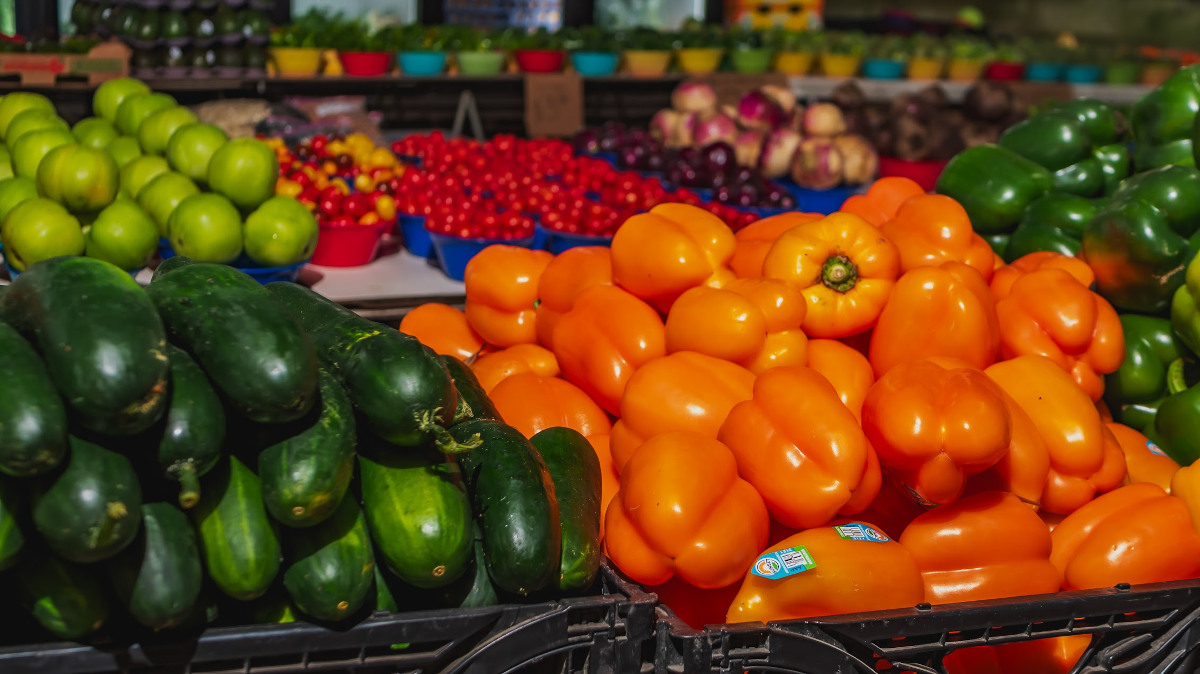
1055, 655
530, 403
1136, 534
716, 322
684, 391
934, 426
835, 569
1025, 468
930, 229
669, 519
493, 368
801, 448
1005, 276
754, 240
883, 199
984, 546
943, 311
846, 368
610, 479
570, 273
444, 329
1084, 456
501, 285
845, 267
784, 308
1050, 313
658, 255
1144, 461
892, 510
604, 338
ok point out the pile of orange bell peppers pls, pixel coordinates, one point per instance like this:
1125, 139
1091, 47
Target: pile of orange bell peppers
830, 414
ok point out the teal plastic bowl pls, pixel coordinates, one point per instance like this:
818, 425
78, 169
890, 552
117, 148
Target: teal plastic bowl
883, 69
422, 63
1044, 72
1083, 74
595, 64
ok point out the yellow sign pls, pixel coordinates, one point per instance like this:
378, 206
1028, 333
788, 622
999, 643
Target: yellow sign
790, 14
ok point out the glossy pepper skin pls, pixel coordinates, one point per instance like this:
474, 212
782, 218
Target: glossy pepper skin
501, 285
1024, 471
684, 391
849, 576
784, 309
994, 185
1103, 124
1053, 139
493, 368
568, 274
532, 403
658, 255
1054, 222
1084, 456
883, 199
801, 449
1139, 386
934, 425
1085, 178
984, 546
1175, 153
1175, 422
669, 520
1144, 460
716, 322
444, 329
844, 267
754, 240
930, 229
847, 369
1185, 307
1168, 112
1115, 162
1007, 275
1135, 534
937, 311
605, 337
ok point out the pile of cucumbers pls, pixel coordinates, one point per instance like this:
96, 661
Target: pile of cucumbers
207, 441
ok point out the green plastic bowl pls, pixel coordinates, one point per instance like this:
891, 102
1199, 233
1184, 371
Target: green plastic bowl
480, 62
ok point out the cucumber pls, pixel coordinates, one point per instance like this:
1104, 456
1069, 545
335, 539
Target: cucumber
273, 608
11, 538
237, 538
331, 566
158, 577
250, 348
473, 402
100, 337
194, 432
418, 514
385, 600
305, 476
91, 508
575, 470
398, 384
512, 495
33, 421
474, 589
64, 598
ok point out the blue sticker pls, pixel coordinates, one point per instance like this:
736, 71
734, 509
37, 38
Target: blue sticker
1153, 448
857, 531
783, 563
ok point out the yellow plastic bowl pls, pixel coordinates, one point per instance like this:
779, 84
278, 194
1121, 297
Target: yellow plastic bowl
925, 69
647, 63
793, 62
965, 70
700, 61
840, 65
296, 61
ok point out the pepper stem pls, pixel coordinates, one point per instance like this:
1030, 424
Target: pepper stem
441, 437
839, 273
1176, 380
113, 513
189, 486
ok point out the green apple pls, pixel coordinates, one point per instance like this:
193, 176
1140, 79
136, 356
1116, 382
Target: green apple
245, 170
160, 196
157, 129
280, 232
136, 174
124, 149
33, 119
95, 132
13, 191
191, 149
17, 102
39, 229
32, 147
137, 107
6, 167
122, 234
206, 228
108, 97
81, 178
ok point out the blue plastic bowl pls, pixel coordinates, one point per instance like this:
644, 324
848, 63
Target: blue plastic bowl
454, 253
540, 238
820, 201
422, 63
883, 69
164, 248
263, 275
595, 64
416, 237
557, 242
410, 159
1083, 74
1043, 72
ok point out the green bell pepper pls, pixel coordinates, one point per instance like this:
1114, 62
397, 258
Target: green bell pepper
1052, 139
1175, 153
994, 185
1115, 161
1136, 390
1178, 417
1136, 255
998, 242
1185, 312
1168, 113
1084, 178
1173, 190
1104, 125
1054, 222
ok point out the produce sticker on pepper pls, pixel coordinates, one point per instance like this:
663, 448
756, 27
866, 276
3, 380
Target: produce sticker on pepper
784, 563
857, 531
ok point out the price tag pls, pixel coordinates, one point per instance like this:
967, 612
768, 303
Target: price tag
553, 104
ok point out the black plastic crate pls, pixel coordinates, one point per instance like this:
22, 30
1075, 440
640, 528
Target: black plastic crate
608, 632
1150, 629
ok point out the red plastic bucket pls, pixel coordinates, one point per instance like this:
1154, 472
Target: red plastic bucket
1004, 72
366, 63
539, 60
924, 173
348, 246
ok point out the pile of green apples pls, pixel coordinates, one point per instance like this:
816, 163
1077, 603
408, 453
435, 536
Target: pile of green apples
141, 173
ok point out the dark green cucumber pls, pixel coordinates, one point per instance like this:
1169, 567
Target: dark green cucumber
512, 495
331, 566
158, 577
418, 514
473, 402
100, 337
237, 538
250, 348
474, 589
64, 598
273, 608
91, 508
11, 538
385, 599
33, 422
305, 476
575, 469
399, 385
194, 432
